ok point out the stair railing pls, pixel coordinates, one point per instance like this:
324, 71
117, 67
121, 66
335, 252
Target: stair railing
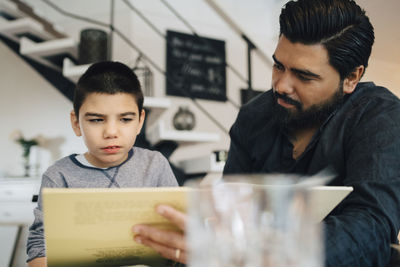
114, 30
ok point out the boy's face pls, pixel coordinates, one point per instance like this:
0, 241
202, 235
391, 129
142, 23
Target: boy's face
109, 125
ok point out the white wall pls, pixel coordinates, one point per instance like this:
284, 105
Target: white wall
48, 110
384, 64
384, 73
30, 104
208, 23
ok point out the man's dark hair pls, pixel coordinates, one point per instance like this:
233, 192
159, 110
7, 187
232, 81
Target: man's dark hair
340, 25
107, 77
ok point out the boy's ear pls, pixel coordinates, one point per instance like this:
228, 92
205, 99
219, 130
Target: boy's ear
141, 121
351, 81
75, 123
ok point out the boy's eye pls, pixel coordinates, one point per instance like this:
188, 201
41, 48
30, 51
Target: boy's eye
126, 119
95, 120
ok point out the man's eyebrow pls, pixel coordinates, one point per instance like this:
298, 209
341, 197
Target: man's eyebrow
276, 61
299, 71
306, 73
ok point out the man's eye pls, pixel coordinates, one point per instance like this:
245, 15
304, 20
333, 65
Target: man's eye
304, 78
126, 119
278, 67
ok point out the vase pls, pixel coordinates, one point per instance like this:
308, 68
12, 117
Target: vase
184, 119
93, 46
27, 167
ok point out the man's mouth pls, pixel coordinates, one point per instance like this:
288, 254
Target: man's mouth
111, 149
285, 104
286, 101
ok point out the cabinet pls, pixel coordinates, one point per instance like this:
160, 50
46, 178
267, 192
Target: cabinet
16, 206
16, 213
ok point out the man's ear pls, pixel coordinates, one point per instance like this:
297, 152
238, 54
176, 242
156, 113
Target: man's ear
351, 81
75, 123
141, 121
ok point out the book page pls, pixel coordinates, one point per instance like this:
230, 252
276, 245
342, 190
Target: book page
92, 227
325, 198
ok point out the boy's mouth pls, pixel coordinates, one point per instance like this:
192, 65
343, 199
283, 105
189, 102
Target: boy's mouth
111, 149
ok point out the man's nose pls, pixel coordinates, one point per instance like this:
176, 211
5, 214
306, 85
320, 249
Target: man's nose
283, 85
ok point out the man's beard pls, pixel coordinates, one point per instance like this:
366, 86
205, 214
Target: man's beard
300, 118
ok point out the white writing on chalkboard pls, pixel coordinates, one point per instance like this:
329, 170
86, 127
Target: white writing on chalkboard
195, 66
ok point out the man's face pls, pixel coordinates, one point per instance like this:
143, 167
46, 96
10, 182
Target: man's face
109, 125
306, 87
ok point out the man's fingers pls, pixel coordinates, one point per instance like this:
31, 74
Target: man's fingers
165, 251
169, 244
167, 238
176, 217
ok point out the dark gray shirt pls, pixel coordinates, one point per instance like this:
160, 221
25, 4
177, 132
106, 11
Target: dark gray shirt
361, 142
143, 168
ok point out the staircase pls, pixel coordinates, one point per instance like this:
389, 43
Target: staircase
54, 55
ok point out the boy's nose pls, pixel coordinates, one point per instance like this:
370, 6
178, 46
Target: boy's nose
110, 131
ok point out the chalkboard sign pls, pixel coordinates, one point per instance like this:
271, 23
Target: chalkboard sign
195, 67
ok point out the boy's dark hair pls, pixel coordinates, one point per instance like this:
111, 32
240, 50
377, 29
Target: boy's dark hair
340, 25
107, 77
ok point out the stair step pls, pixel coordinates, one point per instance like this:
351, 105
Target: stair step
73, 71
159, 133
50, 53
10, 11
24, 27
6, 16
48, 48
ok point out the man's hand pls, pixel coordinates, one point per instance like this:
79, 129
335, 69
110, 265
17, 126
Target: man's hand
38, 262
169, 244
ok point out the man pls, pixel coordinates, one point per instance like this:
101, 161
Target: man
319, 115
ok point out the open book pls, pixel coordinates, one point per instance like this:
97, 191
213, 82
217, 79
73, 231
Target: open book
92, 227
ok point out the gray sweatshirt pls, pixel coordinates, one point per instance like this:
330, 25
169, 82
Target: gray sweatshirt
143, 168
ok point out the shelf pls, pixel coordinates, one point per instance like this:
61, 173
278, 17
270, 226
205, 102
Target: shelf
50, 53
156, 107
205, 164
158, 133
156, 103
15, 29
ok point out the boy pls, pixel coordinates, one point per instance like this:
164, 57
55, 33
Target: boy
108, 113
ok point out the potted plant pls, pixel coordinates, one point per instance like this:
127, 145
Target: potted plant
26, 144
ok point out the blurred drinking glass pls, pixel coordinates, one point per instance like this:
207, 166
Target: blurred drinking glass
251, 221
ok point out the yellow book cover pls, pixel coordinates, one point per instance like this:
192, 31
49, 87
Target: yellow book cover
92, 227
